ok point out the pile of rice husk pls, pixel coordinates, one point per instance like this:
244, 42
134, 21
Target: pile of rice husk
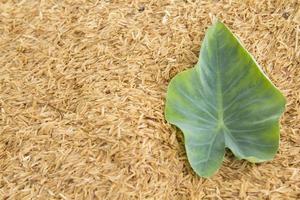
82, 94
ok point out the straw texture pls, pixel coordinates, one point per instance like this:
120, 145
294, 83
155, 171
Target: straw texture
82, 93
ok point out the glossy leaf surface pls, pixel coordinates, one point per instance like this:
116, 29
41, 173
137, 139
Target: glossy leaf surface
225, 101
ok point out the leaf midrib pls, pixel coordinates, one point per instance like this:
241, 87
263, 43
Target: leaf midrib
219, 89
219, 96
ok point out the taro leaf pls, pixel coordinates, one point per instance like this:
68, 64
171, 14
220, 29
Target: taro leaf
225, 101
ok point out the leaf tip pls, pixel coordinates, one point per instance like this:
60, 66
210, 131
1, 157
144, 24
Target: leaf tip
214, 20
216, 24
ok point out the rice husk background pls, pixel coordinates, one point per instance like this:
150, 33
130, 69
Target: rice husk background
82, 93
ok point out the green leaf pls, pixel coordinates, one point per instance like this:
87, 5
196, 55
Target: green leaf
225, 101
